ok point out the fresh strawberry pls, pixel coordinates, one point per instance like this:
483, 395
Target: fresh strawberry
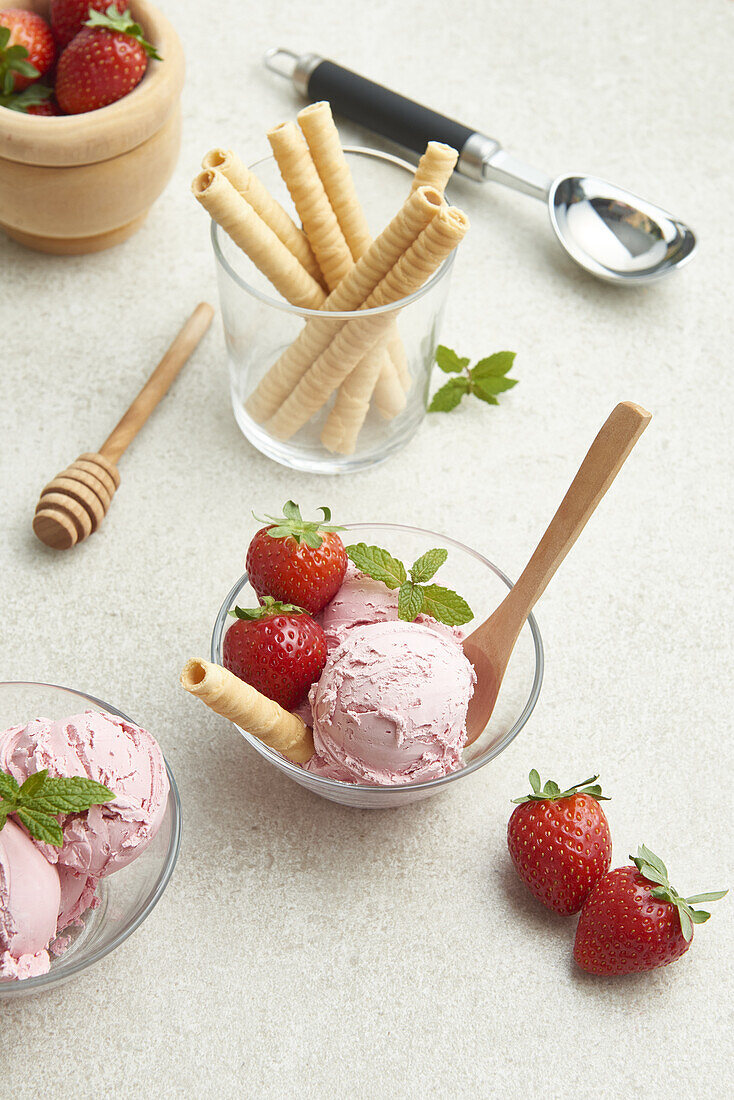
103, 63
68, 16
277, 648
634, 920
297, 560
560, 842
27, 49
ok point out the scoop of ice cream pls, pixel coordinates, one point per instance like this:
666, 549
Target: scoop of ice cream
29, 904
77, 895
123, 757
361, 600
390, 706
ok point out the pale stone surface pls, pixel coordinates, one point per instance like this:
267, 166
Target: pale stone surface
307, 950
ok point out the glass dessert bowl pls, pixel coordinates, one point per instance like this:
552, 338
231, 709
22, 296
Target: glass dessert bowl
126, 897
483, 585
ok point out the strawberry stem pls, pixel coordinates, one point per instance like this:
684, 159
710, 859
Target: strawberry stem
292, 525
121, 23
268, 608
654, 870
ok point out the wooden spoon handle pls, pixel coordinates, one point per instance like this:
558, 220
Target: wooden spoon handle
159, 382
603, 461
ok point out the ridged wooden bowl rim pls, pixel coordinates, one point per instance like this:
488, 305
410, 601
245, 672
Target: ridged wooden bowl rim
99, 135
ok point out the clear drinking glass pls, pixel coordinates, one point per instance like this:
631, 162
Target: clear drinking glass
483, 585
129, 895
259, 326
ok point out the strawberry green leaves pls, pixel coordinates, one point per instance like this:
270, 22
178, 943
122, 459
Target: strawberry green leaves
551, 792
121, 23
268, 608
484, 380
414, 595
41, 798
654, 870
292, 525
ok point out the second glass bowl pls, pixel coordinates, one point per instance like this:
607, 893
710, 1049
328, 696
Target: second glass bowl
483, 585
128, 896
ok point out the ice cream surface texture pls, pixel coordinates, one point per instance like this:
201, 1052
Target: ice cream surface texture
103, 747
29, 905
361, 600
390, 706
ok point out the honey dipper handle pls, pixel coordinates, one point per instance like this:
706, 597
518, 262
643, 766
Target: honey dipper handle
159, 382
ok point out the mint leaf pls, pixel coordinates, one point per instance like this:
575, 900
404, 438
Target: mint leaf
33, 785
494, 365
449, 361
3, 816
423, 569
482, 395
70, 795
493, 385
446, 606
8, 786
41, 826
378, 564
410, 601
449, 396
4, 36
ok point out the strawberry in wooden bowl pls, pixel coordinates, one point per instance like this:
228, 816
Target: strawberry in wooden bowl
106, 111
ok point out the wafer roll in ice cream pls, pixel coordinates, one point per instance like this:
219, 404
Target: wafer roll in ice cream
322, 138
248, 230
435, 167
310, 200
282, 378
421, 260
226, 694
254, 191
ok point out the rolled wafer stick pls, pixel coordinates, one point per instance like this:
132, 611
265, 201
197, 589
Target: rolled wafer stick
262, 202
310, 200
247, 229
382, 255
322, 138
226, 694
435, 167
424, 256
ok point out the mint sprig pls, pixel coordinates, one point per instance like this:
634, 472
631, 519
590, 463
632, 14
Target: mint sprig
484, 380
292, 525
414, 595
653, 869
268, 607
42, 797
121, 23
13, 59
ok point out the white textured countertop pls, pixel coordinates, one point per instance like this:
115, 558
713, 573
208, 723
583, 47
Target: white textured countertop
303, 949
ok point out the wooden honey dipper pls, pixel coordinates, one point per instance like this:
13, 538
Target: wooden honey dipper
74, 504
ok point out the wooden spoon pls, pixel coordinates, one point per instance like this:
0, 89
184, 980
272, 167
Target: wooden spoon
490, 646
74, 504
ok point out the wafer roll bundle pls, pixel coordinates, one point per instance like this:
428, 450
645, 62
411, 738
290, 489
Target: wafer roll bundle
361, 358
226, 694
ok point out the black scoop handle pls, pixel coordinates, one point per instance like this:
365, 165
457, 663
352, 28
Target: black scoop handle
394, 116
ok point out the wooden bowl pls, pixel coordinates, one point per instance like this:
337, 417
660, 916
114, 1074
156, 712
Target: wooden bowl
81, 183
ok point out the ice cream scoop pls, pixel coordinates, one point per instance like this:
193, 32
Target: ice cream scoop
29, 904
390, 706
111, 751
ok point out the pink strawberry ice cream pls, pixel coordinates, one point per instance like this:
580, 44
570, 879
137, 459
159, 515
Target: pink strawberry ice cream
391, 704
124, 758
29, 905
44, 889
361, 600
